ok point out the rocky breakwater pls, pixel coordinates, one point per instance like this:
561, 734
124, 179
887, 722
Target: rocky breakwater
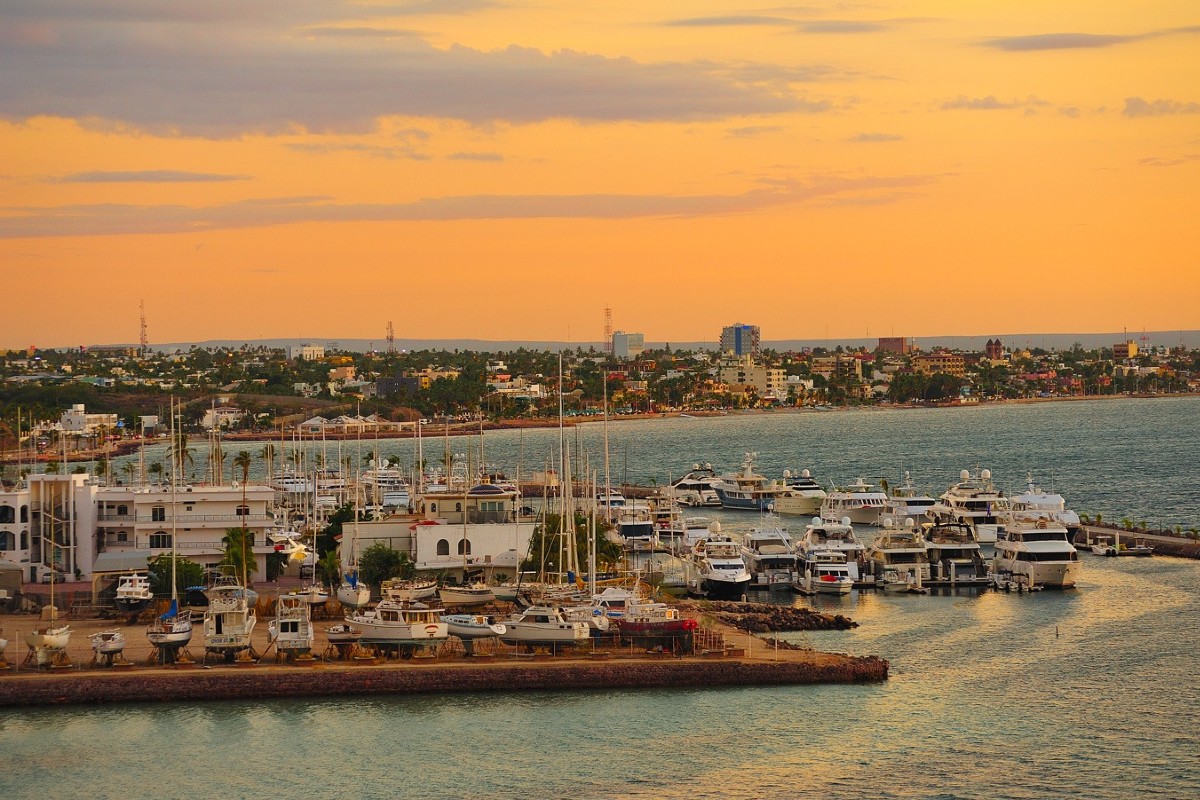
767, 618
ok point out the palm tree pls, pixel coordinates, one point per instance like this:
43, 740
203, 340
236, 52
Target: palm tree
243, 460
129, 468
156, 471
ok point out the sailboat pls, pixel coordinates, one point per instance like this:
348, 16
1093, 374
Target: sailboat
352, 593
45, 643
173, 629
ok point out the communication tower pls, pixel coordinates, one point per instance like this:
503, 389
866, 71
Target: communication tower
608, 329
391, 338
143, 339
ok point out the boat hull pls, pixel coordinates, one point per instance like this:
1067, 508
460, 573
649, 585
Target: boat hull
724, 590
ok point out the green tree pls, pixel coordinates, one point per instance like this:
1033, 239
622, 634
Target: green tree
187, 573
380, 562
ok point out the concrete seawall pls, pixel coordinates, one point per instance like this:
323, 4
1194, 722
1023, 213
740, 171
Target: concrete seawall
232, 683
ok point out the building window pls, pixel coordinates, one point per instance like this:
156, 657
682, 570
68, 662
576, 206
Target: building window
122, 537
443, 547
24, 540
158, 514
8, 514
464, 544
160, 541
7, 541
123, 511
458, 507
243, 511
433, 508
24, 513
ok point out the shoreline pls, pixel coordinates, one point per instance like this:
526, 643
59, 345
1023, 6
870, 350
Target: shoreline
125, 448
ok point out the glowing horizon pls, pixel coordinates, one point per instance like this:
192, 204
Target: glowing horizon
473, 170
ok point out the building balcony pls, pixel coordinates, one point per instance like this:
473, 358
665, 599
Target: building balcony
183, 519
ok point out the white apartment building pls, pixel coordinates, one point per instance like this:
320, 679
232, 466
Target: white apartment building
307, 352
628, 346
768, 382
77, 420
68, 523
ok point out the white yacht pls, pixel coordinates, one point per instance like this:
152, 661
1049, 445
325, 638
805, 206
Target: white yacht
719, 571
406, 591
899, 549
906, 501
747, 489
291, 631
698, 487
133, 592
474, 594
954, 553
386, 487
544, 625
229, 619
107, 643
823, 535
976, 501
828, 572
472, 626
1037, 553
769, 555
404, 625
862, 502
1035, 503
609, 500
802, 495
289, 482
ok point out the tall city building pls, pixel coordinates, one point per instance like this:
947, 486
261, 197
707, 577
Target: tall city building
628, 345
741, 340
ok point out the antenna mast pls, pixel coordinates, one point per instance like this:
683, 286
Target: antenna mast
143, 339
608, 330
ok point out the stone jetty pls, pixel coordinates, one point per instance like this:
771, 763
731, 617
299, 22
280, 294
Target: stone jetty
767, 618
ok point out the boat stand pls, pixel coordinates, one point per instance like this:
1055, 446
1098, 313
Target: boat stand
46, 658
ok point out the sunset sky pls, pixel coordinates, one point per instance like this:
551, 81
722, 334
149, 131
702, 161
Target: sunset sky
496, 170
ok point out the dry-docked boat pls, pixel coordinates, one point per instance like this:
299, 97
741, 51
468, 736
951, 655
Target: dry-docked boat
544, 625
133, 592
400, 624
474, 594
291, 631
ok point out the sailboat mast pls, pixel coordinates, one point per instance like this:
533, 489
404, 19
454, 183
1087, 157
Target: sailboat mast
174, 484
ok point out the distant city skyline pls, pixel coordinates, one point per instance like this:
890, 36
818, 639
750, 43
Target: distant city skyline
506, 171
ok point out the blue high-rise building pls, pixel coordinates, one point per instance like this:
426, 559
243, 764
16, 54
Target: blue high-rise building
741, 340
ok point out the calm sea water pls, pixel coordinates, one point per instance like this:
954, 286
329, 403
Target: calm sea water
1086, 693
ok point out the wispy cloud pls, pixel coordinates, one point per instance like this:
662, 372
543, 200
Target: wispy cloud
1071, 41
1155, 161
1138, 107
750, 131
476, 157
875, 137
174, 69
371, 150
149, 176
114, 219
733, 20
991, 103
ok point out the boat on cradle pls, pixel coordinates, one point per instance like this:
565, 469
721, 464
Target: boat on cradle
474, 594
400, 625
342, 634
133, 592
906, 501
822, 535
648, 623
698, 487
227, 585
544, 625
748, 490
719, 572
229, 619
291, 631
862, 502
769, 555
48, 642
954, 554
1036, 553
976, 501
472, 626
172, 629
1036, 503
353, 593
408, 591
195, 603
314, 594
826, 572
107, 643
802, 496
900, 549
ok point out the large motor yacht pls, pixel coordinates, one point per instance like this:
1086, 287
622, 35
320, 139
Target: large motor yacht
954, 553
747, 489
1035, 503
1037, 553
802, 496
822, 535
906, 501
862, 502
719, 571
698, 487
900, 550
767, 550
976, 501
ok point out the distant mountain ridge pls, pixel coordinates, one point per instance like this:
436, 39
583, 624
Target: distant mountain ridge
1047, 341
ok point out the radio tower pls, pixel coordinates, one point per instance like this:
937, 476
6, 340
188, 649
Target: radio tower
143, 340
391, 338
608, 329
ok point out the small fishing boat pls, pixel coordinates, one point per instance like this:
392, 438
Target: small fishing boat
344, 633
475, 594
291, 630
402, 591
